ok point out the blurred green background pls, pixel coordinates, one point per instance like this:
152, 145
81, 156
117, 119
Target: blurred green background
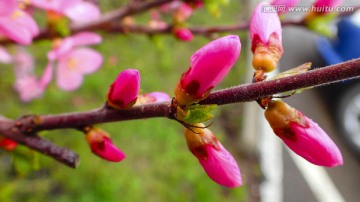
158, 166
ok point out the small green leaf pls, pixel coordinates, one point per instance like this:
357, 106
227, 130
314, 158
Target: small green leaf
320, 24
62, 27
195, 113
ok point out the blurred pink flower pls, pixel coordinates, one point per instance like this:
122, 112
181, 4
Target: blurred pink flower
302, 135
208, 66
327, 3
79, 11
101, 145
74, 61
27, 84
5, 57
183, 34
124, 91
182, 13
266, 37
284, 5
217, 162
16, 24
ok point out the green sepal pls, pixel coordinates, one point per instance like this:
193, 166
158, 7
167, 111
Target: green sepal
320, 24
195, 113
213, 6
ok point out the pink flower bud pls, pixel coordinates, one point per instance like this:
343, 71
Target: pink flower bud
124, 91
265, 33
7, 144
302, 135
101, 145
209, 65
284, 5
183, 34
217, 162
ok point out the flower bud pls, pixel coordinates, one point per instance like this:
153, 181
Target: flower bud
7, 144
217, 162
183, 34
124, 91
302, 135
265, 33
209, 65
325, 6
101, 145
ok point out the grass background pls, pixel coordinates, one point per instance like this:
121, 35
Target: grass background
158, 166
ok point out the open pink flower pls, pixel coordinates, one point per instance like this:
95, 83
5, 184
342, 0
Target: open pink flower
27, 84
209, 65
217, 162
184, 34
79, 11
124, 91
265, 34
302, 135
284, 5
16, 24
101, 145
73, 61
7, 144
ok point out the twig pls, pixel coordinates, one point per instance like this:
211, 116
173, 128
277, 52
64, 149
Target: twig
63, 155
241, 93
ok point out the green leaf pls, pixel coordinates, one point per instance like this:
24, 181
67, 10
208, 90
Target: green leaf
62, 27
195, 113
320, 24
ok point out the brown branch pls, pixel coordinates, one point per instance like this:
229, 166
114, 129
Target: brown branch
24, 130
63, 155
241, 93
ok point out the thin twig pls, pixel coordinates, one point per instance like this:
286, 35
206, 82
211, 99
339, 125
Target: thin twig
241, 93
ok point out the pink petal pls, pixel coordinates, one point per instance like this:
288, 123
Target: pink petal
88, 60
25, 20
14, 31
7, 7
159, 96
83, 12
5, 57
221, 166
47, 76
210, 64
67, 77
23, 63
65, 46
183, 34
125, 89
86, 38
264, 24
107, 150
314, 145
284, 5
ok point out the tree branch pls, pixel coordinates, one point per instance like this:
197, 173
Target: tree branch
63, 155
241, 93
